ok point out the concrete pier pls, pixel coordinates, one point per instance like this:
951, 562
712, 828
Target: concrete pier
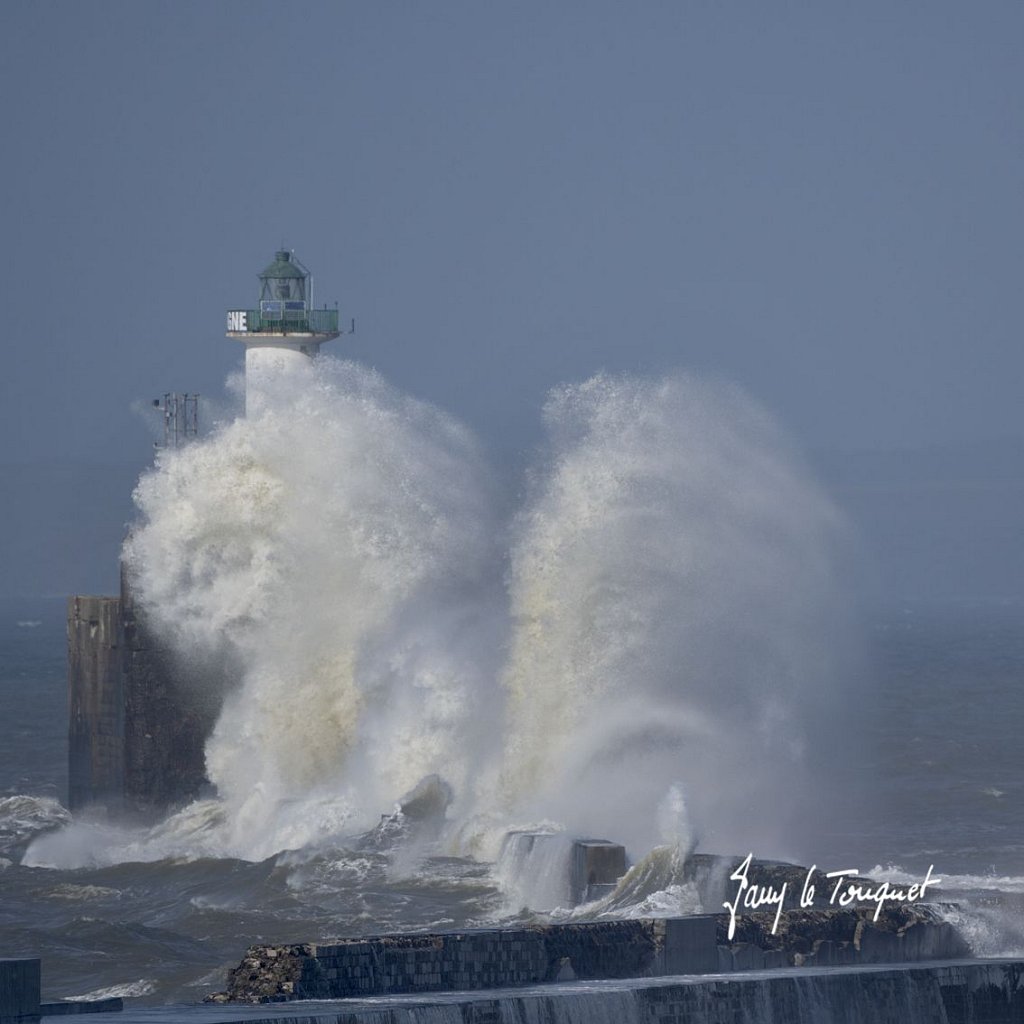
951, 992
587, 950
95, 702
137, 724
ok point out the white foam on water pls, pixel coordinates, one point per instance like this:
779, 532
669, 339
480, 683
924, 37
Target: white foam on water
533, 870
965, 883
75, 892
97, 841
989, 930
125, 990
23, 816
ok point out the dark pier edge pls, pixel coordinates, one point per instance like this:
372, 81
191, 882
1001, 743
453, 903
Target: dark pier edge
138, 723
95, 702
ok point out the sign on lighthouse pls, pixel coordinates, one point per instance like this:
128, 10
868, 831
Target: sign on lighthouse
284, 332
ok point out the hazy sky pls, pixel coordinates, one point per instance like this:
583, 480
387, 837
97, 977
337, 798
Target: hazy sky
822, 202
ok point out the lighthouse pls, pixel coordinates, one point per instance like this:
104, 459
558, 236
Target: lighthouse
284, 333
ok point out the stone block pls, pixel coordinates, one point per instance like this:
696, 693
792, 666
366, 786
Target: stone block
880, 947
747, 957
595, 862
825, 953
689, 946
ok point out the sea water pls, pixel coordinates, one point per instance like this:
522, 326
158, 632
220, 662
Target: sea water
655, 646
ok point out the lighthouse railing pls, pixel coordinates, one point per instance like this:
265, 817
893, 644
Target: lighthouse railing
310, 321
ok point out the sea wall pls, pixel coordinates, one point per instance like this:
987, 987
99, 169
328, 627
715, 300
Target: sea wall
501, 957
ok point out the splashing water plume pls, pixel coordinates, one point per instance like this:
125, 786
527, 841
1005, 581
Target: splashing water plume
327, 545
665, 611
673, 614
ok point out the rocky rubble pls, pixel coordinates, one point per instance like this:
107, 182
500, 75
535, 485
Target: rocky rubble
267, 974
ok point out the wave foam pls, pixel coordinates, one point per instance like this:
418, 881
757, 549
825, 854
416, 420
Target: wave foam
665, 611
22, 817
125, 990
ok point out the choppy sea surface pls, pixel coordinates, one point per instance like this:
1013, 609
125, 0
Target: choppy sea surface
940, 713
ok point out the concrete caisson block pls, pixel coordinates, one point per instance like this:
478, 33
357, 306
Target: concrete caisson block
689, 946
747, 957
595, 862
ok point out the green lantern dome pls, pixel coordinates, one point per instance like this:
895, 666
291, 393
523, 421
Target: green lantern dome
284, 280
285, 309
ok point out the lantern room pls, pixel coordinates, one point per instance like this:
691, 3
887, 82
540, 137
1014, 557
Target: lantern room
285, 306
283, 288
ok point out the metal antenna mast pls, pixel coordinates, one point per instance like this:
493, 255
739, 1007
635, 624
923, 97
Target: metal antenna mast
181, 418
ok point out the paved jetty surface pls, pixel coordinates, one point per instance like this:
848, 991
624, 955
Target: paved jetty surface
333, 1011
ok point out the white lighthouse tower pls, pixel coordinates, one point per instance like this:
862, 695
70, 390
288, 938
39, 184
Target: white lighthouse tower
285, 332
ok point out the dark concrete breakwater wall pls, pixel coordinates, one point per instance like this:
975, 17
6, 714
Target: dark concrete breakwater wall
137, 723
639, 948
952, 992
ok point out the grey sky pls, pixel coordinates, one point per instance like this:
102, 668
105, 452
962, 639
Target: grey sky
822, 202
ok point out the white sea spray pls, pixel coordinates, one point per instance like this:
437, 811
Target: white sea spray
335, 547
643, 653
674, 614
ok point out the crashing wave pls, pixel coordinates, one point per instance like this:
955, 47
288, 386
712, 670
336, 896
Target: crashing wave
23, 817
